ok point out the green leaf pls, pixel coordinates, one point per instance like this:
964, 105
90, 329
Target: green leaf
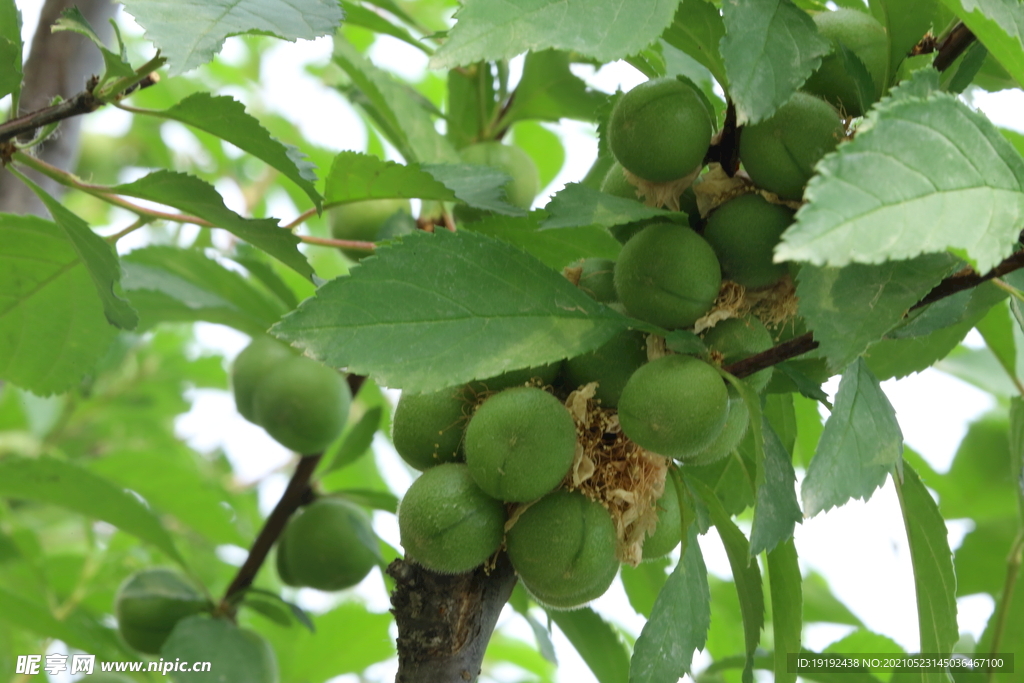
980, 561
821, 606
357, 15
861, 442
435, 310
29, 616
236, 655
226, 118
906, 22
555, 248
777, 511
355, 176
597, 642
281, 607
603, 29
52, 326
199, 198
171, 284
61, 483
917, 172
934, 580
852, 307
980, 368
578, 206
643, 582
191, 38
96, 254
769, 50
1017, 448
549, 91
10, 49
678, 624
787, 606
403, 114
999, 25
996, 329
356, 442
544, 147
117, 66
697, 30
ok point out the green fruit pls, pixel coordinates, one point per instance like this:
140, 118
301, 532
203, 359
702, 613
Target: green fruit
150, 602
242, 653
660, 130
447, 523
250, 367
667, 275
611, 366
563, 548
674, 406
740, 338
779, 153
615, 183
860, 33
744, 232
520, 444
525, 183
428, 428
729, 438
328, 545
363, 221
597, 279
668, 533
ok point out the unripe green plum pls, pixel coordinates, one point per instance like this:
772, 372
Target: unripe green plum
668, 533
447, 523
525, 183
328, 545
563, 548
597, 279
860, 33
674, 406
615, 183
780, 152
729, 438
611, 366
520, 444
149, 604
253, 364
740, 338
667, 275
365, 221
245, 654
660, 130
302, 404
428, 428
744, 232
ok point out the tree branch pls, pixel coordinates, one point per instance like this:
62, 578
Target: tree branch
954, 44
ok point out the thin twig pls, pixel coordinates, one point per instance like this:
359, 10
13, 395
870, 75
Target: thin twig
1013, 562
341, 244
954, 44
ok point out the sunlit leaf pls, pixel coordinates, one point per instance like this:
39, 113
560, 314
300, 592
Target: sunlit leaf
597, 642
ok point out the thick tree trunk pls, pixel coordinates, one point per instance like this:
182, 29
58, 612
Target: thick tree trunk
58, 64
445, 621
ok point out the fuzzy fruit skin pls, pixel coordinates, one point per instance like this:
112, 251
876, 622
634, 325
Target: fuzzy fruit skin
364, 221
427, 429
667, 275
668, 533
563, 548
597, 279
520, 444
611, 366
302, 404
615, 183
866, 38
255, 361
660, 130
149, 604
740, 338
744, 233
226, 646
729, 438
329, 545
447, 523
779, 153
674, 406
525, 182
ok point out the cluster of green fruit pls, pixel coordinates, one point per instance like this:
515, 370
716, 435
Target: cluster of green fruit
301, 403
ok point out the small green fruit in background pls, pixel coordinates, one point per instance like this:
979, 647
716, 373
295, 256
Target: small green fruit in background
615, 183
328, 545
740, 338
253, 364
668, 533
428, 428
674, 406
363, 221
149, 604
744, 232
597, 279
244, 654
563, 548
660, 130
520, 444
447, 523
302, 404
611, 366
860, 33
780, 152
729, 438
525, 183
667, 275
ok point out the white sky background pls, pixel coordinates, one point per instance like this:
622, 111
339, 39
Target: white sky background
860, 548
